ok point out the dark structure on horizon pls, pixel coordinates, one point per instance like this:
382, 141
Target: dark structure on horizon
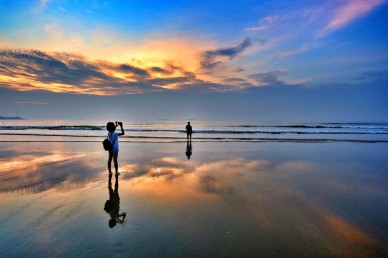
11, 118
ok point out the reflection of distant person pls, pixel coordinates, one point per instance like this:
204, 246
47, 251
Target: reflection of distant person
189, 149
112, 206
189, 130
113, 137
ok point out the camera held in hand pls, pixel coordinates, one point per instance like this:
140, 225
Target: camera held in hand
119, 123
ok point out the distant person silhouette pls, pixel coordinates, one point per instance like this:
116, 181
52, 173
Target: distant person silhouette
189, 130
189, 149
112, 206
113, 137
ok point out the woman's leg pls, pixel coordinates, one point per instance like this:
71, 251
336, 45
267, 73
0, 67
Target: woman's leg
115, 156
110, 162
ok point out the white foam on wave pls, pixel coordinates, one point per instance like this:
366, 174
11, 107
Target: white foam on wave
335, 128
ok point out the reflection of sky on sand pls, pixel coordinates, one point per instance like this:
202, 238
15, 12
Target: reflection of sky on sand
257, 196
38, 170
232, 202
44, 192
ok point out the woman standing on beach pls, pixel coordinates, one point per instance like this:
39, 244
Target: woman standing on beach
113, 137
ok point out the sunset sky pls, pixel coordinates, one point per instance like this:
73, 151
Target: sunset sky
258, 60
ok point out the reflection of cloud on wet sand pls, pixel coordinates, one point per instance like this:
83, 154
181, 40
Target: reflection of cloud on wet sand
167, 168
173, 178
261, 202
37, 172
357, 242
261, 196
166, 177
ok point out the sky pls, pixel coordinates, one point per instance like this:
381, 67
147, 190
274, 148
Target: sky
263, 60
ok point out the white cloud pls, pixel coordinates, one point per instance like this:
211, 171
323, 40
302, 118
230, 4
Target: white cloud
41, 6
264, 23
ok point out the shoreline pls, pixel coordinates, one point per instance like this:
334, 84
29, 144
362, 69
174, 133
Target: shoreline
223, 140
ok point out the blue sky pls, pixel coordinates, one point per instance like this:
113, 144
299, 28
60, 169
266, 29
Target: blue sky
195, 48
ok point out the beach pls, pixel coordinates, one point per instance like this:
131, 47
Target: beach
247, 199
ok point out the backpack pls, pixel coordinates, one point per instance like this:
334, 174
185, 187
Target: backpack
108, 146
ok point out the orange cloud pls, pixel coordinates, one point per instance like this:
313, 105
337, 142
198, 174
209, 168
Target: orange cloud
182, 57
103, 43
26, 70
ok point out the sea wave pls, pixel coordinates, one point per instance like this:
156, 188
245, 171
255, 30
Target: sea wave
289, 131
381, 126
167, 139
60, 127
238, 129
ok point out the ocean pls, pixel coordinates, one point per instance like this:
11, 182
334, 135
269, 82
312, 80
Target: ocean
205, 131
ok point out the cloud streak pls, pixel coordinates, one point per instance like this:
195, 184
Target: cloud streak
269, 78
30, 102
41, 6
213, 58
349, 12
263, 24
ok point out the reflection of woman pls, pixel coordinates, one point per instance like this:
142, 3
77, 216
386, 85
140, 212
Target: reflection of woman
112, 206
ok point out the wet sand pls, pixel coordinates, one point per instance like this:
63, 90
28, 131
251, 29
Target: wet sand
229, 199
